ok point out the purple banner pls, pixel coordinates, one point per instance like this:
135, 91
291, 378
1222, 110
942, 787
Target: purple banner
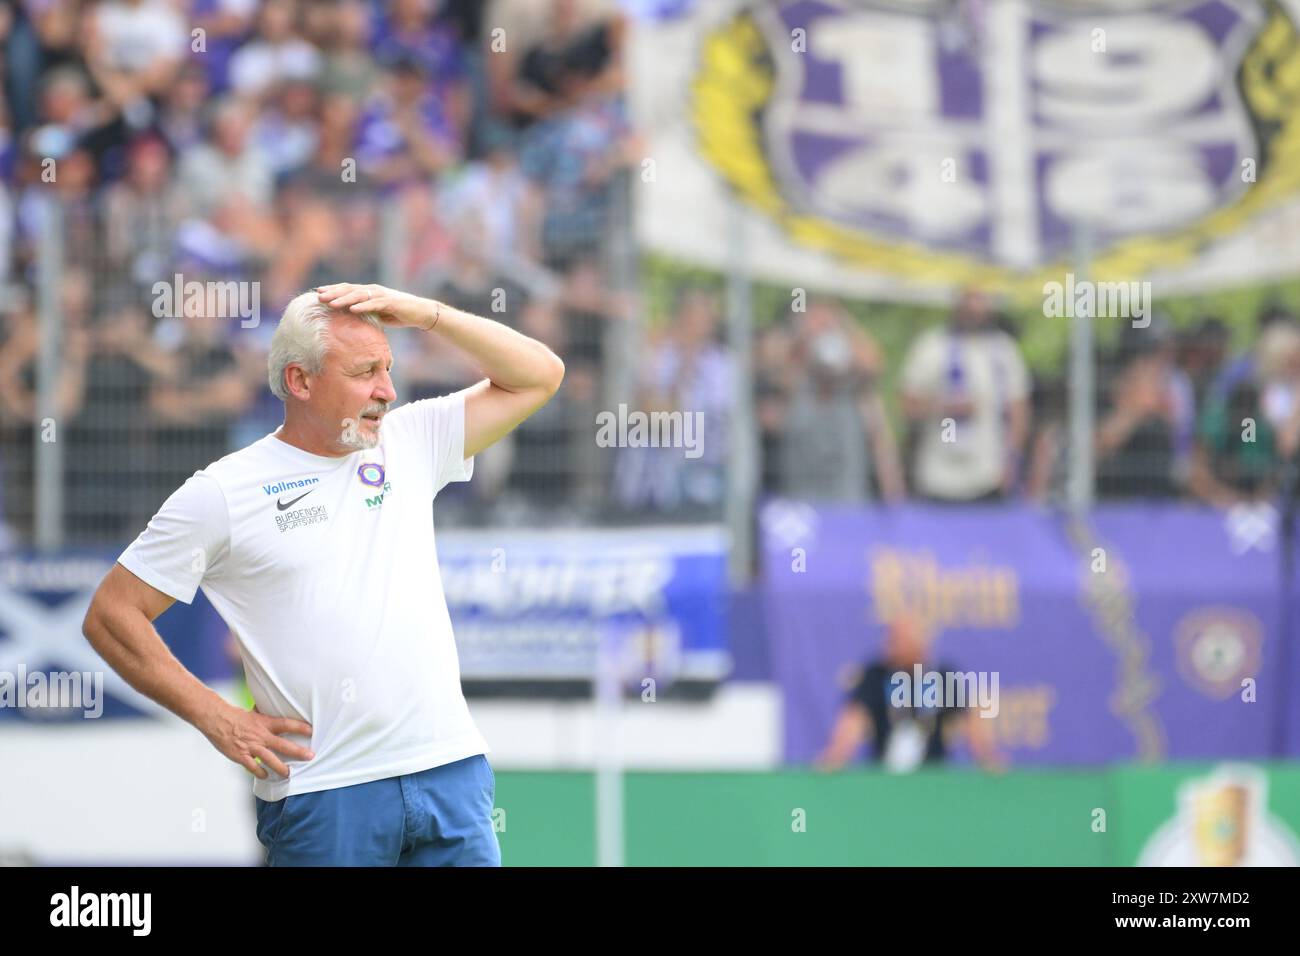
1143, 632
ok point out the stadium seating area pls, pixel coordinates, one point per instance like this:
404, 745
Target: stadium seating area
482, 154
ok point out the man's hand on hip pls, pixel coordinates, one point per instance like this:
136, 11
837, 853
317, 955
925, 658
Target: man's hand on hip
245, 736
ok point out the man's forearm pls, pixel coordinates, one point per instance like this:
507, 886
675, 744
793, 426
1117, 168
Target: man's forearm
511, 360
131, 646
1018, 430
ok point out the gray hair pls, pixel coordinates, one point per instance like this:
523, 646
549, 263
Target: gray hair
301, 339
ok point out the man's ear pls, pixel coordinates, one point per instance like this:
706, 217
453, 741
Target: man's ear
295, 379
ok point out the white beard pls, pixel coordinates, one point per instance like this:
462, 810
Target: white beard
358, 439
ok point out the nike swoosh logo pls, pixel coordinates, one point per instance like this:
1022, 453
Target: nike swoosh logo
281, 505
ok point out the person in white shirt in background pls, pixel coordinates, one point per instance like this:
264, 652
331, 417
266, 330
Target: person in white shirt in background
966, 393
316, 545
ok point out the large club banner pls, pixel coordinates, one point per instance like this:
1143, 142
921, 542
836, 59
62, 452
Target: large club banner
1141, 632
899, 149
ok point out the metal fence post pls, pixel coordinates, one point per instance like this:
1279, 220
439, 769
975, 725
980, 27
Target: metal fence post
741, 433
48, 455
1082, 383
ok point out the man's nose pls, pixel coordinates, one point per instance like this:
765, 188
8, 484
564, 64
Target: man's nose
385, 392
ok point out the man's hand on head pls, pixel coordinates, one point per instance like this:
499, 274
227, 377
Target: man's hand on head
394, 308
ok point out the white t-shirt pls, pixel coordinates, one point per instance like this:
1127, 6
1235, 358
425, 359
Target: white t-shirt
134, 37
257, 66
968, 460
325, 571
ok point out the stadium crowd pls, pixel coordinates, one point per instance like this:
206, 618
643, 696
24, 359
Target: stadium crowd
281, 145
1177, 413
479, 153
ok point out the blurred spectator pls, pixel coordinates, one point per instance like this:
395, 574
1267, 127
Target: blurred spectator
965, 390
225, 25
428, 246
72, 190
1047, 476
1245, 434
141, 213
205, 394
1278, 372
20, 354
68, 115
772, 347
317, 21
494, 199
587, 306
113, 485
555, 54
465, 17
574, 158
183, 122
323, 175
308, 222
556, 323
835, 433
1241, 367
335, 151
43, 37
404, 134
349, 69
285, 132
132, 49
1144, 440
689, 372
276, 52
20, 64
471, 283
325, 200
904, 737
1202, 351
228, 184
544, 449
408, 30
228, 166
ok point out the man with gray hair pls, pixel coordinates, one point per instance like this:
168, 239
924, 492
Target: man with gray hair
316, 545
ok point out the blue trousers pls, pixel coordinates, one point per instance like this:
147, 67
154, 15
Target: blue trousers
437, 817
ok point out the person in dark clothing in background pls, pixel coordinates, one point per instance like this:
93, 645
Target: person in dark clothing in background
1202, 353
903, 737
111, 446
195, 408
1144, 439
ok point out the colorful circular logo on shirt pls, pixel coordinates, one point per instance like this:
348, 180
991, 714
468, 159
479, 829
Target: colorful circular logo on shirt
371, 474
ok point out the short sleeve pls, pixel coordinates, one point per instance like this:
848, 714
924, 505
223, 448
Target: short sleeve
175, 37
439, 424
1017, 374
920, 372
184, 542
